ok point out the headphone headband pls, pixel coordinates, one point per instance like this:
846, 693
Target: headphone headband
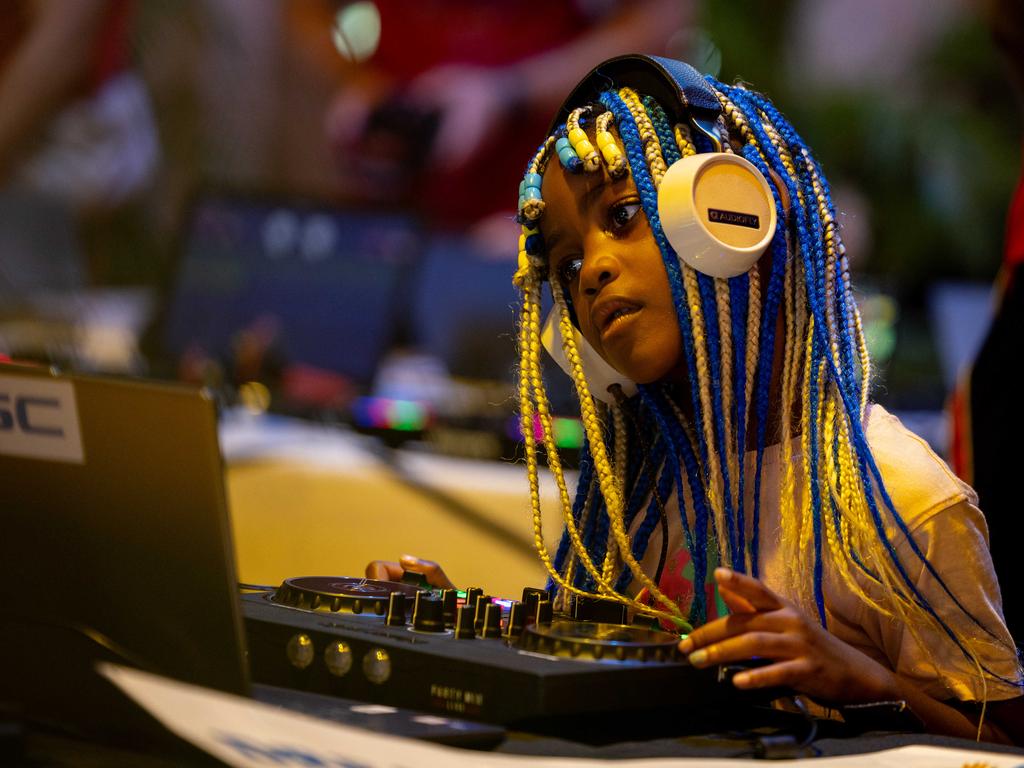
680, 89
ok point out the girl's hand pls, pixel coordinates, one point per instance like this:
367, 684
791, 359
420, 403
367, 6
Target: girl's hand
807, 658
386, 570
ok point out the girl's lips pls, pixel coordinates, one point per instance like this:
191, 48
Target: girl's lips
617, 320
609, 310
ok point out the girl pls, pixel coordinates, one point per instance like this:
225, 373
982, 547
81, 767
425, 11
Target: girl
733, 426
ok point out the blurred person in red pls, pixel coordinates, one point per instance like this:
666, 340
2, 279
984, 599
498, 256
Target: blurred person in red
77, 138
425, 120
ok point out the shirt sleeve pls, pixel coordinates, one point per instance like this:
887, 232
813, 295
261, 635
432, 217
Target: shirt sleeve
955, 541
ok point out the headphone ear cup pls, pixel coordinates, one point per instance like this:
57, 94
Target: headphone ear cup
600, 375
718, 212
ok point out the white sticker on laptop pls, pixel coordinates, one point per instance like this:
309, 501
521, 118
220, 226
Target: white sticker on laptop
39, 420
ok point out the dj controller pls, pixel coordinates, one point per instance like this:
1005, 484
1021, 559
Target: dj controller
469, 655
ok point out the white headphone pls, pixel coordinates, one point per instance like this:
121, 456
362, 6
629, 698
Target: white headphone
716, 208
599, 374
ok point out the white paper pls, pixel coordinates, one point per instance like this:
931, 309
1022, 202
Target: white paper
246, 733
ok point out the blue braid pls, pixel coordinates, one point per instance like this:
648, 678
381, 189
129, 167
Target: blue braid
653, 516
813, 461
683, 455
710, 310
642, 481
738, 306
637, 480
595, 540
586, 477
765, 361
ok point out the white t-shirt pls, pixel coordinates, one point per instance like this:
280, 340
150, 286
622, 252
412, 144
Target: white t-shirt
941, 513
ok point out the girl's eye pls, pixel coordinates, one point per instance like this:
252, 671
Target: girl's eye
569, 271
623, 213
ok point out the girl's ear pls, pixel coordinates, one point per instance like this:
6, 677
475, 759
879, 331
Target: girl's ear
600, 376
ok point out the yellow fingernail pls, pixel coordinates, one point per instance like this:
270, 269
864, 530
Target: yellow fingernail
698, 657
686, 645
741, 680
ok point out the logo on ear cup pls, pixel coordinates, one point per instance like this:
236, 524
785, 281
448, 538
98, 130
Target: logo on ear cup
599, 374
735, 218
717, 212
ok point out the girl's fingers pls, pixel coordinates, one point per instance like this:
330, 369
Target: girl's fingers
387, 570
750, 589
785, 673
731, 626
736, 603
432, 572
384, 570
749, 645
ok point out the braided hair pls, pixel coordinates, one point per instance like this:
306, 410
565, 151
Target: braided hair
643, 451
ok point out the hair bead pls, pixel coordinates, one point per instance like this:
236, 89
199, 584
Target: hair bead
567, 155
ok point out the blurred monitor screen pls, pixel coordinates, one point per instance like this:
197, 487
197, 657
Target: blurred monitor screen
265, 285
465, 309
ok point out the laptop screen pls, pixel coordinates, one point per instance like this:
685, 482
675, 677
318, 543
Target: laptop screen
116, 542
316, 286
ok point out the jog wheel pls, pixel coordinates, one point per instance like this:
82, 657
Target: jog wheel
340, 594
600, 642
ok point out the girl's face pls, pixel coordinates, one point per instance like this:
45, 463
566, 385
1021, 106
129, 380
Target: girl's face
602, 252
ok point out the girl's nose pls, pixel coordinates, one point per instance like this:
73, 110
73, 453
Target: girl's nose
597, 271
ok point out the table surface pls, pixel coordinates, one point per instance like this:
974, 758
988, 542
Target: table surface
309, 499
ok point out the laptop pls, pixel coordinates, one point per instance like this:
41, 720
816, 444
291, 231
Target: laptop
116, 545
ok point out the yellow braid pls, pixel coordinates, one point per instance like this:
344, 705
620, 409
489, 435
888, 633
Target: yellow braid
713, 471
529, 284
842, 490
621, 460
789, 513
831, 237
733, 453
613, 157
806, 515
554, 459
753, 351
683, 140
580, 143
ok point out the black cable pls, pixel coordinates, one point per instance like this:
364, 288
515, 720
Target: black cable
255, 587
812, 721
784, 746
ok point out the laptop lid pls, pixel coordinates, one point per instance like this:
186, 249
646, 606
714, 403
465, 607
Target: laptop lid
115, 541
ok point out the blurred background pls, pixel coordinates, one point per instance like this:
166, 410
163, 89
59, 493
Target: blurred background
307, 205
